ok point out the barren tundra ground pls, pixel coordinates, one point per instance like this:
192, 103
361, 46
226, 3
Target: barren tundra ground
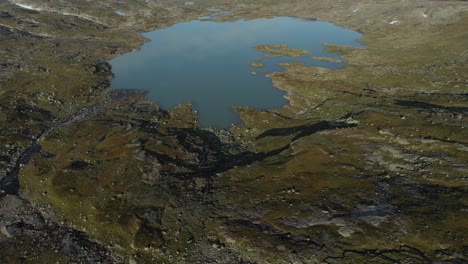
367, 164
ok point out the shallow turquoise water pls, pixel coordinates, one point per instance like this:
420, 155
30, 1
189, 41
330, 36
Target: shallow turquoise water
207, 63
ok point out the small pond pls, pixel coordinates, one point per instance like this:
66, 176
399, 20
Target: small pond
211, 64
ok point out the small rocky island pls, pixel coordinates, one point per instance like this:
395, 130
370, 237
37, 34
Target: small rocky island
281, 50
366, 164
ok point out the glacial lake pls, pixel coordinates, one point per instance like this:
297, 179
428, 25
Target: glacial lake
207, 63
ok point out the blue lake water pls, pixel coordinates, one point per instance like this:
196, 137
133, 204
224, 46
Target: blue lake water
207, 63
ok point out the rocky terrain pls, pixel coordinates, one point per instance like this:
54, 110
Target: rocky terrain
367, 164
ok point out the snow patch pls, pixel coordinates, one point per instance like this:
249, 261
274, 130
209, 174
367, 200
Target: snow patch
29, 7
355, 10
120, 13
394, 22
